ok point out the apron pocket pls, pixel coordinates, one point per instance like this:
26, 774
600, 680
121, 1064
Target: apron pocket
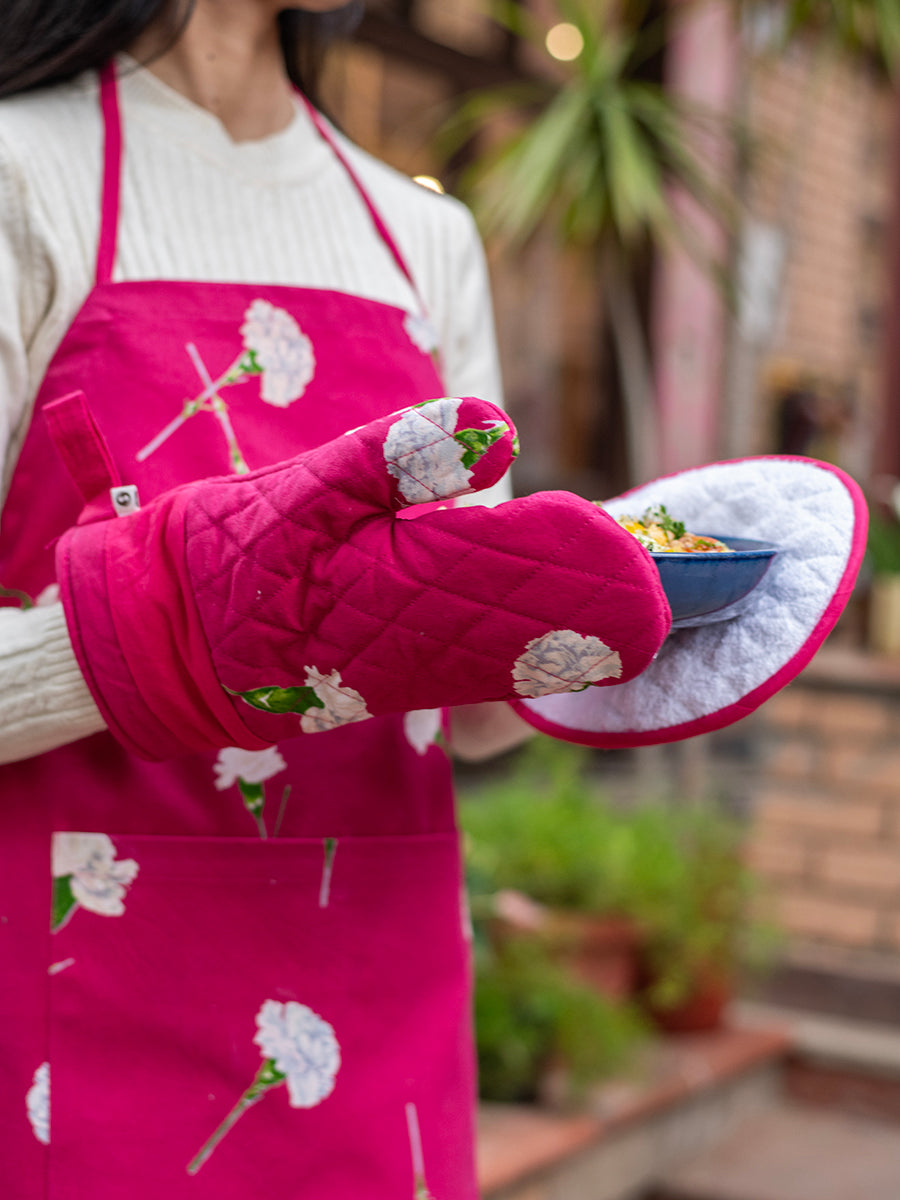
236, 1018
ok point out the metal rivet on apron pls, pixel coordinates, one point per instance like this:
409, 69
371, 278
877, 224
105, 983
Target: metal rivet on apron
125, 499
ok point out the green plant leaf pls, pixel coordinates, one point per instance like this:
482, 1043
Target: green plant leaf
883, 545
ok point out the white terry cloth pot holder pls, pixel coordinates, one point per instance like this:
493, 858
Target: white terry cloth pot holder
711, 675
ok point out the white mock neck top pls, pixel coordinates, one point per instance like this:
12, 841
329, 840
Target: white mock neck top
194, 205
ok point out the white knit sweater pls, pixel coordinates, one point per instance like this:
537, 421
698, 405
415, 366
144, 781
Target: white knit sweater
195, 205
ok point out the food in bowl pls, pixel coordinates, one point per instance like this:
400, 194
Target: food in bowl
658, 531
703, 577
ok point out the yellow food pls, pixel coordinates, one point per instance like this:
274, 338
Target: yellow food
661, 533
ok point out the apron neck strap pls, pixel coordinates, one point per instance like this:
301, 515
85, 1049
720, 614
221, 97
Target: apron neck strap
377, 220
112, 170
112, 166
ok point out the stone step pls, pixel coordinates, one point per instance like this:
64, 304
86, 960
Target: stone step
689, 1093
793, 1153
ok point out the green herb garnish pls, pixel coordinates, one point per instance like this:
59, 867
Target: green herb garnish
659, 515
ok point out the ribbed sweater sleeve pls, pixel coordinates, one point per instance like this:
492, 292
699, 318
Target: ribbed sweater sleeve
278, 211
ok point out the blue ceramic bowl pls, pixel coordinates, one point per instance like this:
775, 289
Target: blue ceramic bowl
706, 585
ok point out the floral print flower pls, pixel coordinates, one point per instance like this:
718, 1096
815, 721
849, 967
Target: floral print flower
253, 766
87, 875
421, 332
422, 728
429, 457
323, 702
249, 769
423, 456
299, 1049
564, 661
282, 351
303, 1048
341, 705
37, 1103
275, 348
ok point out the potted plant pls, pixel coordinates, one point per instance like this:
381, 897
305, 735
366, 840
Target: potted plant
541, 1034
545, 862
675, 905
694, 900
599, 150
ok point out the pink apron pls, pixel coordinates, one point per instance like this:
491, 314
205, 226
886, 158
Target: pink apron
244, 975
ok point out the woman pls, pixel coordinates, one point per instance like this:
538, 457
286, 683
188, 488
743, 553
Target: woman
256, 976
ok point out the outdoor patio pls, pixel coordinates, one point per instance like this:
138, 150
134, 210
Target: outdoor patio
775, 1107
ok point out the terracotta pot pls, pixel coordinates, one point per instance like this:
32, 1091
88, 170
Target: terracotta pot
702, 1011
600, 951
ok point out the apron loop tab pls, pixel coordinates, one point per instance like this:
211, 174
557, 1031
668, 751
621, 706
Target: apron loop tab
86, 455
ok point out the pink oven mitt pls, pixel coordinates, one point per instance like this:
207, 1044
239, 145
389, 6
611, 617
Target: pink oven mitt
240, 610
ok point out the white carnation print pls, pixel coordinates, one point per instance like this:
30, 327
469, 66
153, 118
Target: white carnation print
87, 875
564, 661
253, 766
421, 332
283, 352
303, 1048
37, 1104
299, 1049
422, 728
341, 705
424, 457
249, 769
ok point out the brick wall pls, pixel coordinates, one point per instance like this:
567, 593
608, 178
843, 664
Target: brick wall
825, 831
820, 172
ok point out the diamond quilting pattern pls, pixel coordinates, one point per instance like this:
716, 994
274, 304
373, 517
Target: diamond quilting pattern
294, 568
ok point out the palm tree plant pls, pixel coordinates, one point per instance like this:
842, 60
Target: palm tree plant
863, 28
598, 155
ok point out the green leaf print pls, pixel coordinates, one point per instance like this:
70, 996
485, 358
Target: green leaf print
329, 846
247, 364
479, 441
63, 902
254, 796
268, 1076
280, 700
25, 601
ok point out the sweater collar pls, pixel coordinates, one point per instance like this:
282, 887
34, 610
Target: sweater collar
296, 152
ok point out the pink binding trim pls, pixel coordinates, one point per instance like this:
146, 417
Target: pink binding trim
112, 164
749, 703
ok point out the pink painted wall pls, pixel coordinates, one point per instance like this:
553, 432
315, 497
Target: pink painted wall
688, 318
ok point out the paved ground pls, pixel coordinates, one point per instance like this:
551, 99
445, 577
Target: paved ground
795, 1153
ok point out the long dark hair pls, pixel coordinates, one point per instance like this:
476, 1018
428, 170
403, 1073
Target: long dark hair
48, 41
